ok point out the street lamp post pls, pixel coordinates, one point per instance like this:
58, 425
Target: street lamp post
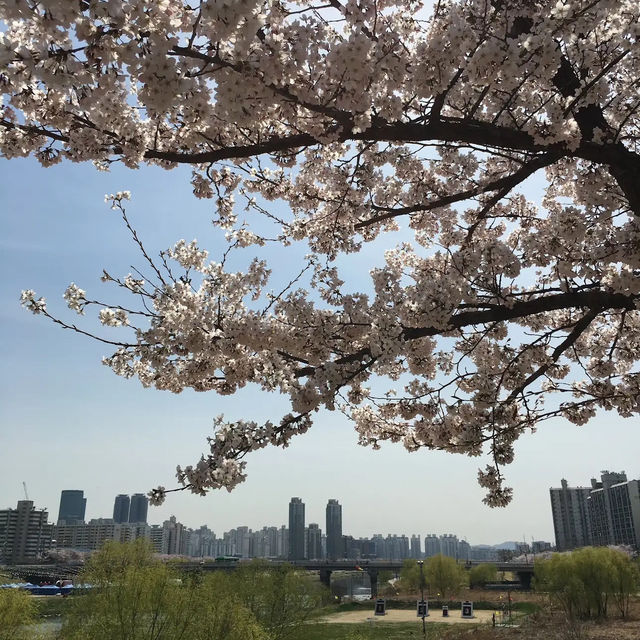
421, 565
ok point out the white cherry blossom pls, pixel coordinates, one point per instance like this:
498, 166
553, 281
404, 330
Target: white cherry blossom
364, 118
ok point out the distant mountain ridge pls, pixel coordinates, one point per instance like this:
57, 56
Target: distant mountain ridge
510, 545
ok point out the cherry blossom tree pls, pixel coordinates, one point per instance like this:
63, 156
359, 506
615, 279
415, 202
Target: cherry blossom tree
363, 117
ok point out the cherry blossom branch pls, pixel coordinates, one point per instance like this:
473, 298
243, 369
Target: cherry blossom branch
568, 342
595, 300
502, 185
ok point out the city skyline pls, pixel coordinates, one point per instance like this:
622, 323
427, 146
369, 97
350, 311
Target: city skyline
66, 416
308, 534
26, 535
251, 522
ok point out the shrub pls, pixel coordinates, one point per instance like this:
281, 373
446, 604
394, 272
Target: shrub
135, 597
280, 598
584, 581
17, 612
444, 575
481, 574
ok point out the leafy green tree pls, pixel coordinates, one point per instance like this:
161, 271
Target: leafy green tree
114, 559
410, 576
556, 576
585, 581
17, 612
135, 597
280, 598
444, 575
481, 574
220, 615
625, 580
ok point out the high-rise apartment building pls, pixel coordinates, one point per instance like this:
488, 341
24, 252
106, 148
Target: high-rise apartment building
174, 538
614, 510
416, 547
570, 511
73, 506
156, 536
625, 513
431, 545
449, 545
314, 542
91, 536
378, 545
393, 547
202, 543
540, 546
121, 509
599, 504
464, 551
270, 537
296, 529
283, 542
334, 530
25, 533
606, 513
138, 508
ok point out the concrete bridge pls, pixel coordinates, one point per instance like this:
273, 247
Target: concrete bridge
52, 572
38, 573
325, 568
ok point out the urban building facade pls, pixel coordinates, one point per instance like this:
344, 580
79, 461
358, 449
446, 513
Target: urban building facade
391, 547
449, 545
174, 538
314, 542
121, 509
296, 529
334, 530
464, 551
431, 545
483, 553
600, 507
416, 547
625, 513
25, 534
283, 542
91, 536
540, 546
570, 512
138, 508
73, 506
607, 513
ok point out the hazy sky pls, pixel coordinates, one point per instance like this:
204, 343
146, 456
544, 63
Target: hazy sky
69, 423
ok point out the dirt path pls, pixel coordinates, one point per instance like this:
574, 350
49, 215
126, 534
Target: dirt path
408, 615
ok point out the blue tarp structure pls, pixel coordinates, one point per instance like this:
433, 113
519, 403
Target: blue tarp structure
34, 589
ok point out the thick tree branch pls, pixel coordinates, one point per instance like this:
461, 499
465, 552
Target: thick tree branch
595, 300
503, 185
575, 333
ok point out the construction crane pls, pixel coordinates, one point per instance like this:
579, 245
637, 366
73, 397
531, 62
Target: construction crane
24, 486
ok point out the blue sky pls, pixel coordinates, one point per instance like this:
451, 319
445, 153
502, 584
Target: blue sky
69, 423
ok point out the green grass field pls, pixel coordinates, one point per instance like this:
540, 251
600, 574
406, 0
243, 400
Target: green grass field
394, 631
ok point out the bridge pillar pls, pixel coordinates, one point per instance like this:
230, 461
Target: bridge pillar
325, 577
373, 577
525, 579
